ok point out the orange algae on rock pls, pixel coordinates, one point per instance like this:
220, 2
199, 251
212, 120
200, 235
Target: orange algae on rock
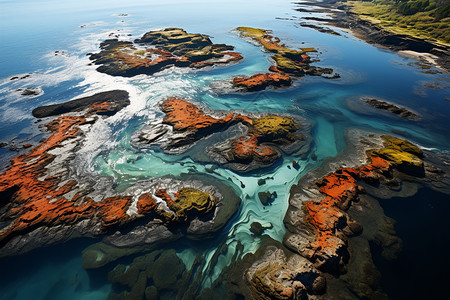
146, 203
340, 188
174, 47
261, 81
183, 115
246, 148
288, 62
41, 202
190, 124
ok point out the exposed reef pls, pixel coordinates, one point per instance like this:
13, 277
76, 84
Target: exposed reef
392, 108
104, 103
274, 276
320, 28
44, 201
30, 92
259, 82
289, 63
320, 226
158, 50
257, 145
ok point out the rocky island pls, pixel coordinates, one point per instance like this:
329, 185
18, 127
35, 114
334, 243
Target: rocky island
392, 108
289, 63
45, 202
161, 49
258, 145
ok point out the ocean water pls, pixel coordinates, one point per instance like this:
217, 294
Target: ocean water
31, 32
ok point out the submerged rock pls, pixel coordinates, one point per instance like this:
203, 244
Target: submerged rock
392, 108
158, 50
257, 228
267, 197
30, 91
147, 276
275, 276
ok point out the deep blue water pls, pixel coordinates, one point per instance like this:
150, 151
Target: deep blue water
30, 32
425, 259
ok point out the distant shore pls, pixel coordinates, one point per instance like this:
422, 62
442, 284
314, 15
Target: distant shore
434, 53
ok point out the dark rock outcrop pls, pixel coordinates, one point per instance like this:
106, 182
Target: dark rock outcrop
104, 103
392, 108
275, 276
160, 49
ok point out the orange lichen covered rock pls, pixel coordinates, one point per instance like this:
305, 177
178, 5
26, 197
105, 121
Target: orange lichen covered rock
113, 210
341, 188
189, 124
261, 81
328, 248
247, 148
146, 203
174, 47
162, 193
185, 116
36, 201
288, 62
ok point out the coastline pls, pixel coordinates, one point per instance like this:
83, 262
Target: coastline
436, 54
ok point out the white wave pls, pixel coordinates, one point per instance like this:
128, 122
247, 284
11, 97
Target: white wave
428, 149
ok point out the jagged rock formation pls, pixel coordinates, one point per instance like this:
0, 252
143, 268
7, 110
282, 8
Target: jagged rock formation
43, 202
259, 82
274, 276
319, 225
160, 49
288, 62
259, 145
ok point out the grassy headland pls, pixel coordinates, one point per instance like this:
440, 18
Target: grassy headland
425, 19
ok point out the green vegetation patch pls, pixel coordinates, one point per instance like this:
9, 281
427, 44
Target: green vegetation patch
425, 19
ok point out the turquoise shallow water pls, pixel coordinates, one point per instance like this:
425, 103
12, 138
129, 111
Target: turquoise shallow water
32, 30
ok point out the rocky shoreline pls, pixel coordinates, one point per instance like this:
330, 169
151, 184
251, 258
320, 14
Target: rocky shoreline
44, 202
342, 17
320, 226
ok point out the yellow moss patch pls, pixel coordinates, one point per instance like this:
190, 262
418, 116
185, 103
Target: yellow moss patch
401, 145
191, 200
398, 157
276, 128
140, 52
255, 33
